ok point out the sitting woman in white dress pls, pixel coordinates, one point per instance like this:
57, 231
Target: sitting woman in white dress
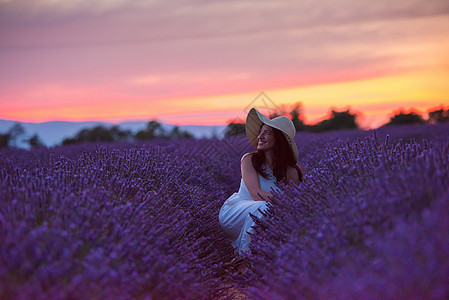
275, 160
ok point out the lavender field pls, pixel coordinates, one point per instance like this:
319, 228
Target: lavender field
140, 220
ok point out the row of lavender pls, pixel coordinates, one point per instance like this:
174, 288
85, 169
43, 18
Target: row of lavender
140, 220
369, 221
111, 222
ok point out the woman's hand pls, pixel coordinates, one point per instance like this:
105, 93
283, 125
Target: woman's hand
293, 174
264, 196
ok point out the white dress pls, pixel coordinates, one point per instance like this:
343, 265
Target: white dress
234, 215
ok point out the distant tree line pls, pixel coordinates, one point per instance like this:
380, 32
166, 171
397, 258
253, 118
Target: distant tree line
101, 133
337, 120
15, 135
344, 120
96, 134
436, 116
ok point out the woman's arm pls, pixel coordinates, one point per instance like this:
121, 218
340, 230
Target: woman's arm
251, 179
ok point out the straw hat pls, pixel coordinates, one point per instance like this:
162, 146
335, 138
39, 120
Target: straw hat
255, 120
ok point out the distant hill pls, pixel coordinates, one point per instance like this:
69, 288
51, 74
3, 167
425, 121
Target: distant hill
54, 132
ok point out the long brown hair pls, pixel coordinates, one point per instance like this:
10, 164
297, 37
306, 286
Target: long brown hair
283, 157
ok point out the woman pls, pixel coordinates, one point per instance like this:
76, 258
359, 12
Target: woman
275, 160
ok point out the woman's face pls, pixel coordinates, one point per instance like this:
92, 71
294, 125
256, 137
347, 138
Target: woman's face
265, 139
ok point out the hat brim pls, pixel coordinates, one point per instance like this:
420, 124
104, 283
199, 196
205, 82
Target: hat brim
255, 120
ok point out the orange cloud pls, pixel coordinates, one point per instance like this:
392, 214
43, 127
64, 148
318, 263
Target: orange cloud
374, 98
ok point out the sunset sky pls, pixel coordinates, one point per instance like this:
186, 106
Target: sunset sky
203, 62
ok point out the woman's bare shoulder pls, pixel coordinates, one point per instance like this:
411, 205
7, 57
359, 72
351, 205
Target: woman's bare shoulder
247, 156
246, 163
